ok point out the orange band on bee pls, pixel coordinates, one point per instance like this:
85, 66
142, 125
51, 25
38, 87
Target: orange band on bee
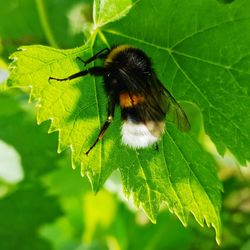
127, 101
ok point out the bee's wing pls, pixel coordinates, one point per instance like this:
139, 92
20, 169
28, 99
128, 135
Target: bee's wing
168, 103
178, 114
159, 101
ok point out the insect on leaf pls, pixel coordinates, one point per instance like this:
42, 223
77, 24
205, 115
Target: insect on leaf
200, 60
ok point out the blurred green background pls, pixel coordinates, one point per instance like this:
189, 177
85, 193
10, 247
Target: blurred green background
44, 204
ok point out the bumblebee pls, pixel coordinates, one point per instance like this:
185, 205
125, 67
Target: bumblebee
131, 83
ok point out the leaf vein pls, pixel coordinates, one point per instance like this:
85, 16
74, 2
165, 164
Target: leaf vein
207, 29
205, 98
171, 182
174, 51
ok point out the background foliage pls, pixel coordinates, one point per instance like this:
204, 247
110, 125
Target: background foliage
56, 202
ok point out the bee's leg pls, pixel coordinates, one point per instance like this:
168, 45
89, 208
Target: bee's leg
99, 55
95, 71
156, 146
111, 109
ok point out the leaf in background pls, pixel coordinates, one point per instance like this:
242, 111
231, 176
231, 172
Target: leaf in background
21, 215
20, 24
19, 20
41, 21
203, 60
24, 210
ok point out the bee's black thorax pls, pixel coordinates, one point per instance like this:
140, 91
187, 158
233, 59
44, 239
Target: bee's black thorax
120, 63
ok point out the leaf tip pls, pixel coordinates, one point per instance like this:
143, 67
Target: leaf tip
217, 229
74, 161
61, 147
22, 48
218, 240
150, 214
38, 122
95, 188
153, 220
52, 129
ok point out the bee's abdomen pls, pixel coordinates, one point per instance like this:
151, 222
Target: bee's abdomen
137, 135
141, 135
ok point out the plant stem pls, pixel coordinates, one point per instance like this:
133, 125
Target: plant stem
45, 23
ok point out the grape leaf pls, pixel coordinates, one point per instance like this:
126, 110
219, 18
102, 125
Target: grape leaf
206, 60
202, 60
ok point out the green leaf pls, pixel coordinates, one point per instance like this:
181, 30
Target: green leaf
201, 60
205, 50
28, 206
22, 208
42, 21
